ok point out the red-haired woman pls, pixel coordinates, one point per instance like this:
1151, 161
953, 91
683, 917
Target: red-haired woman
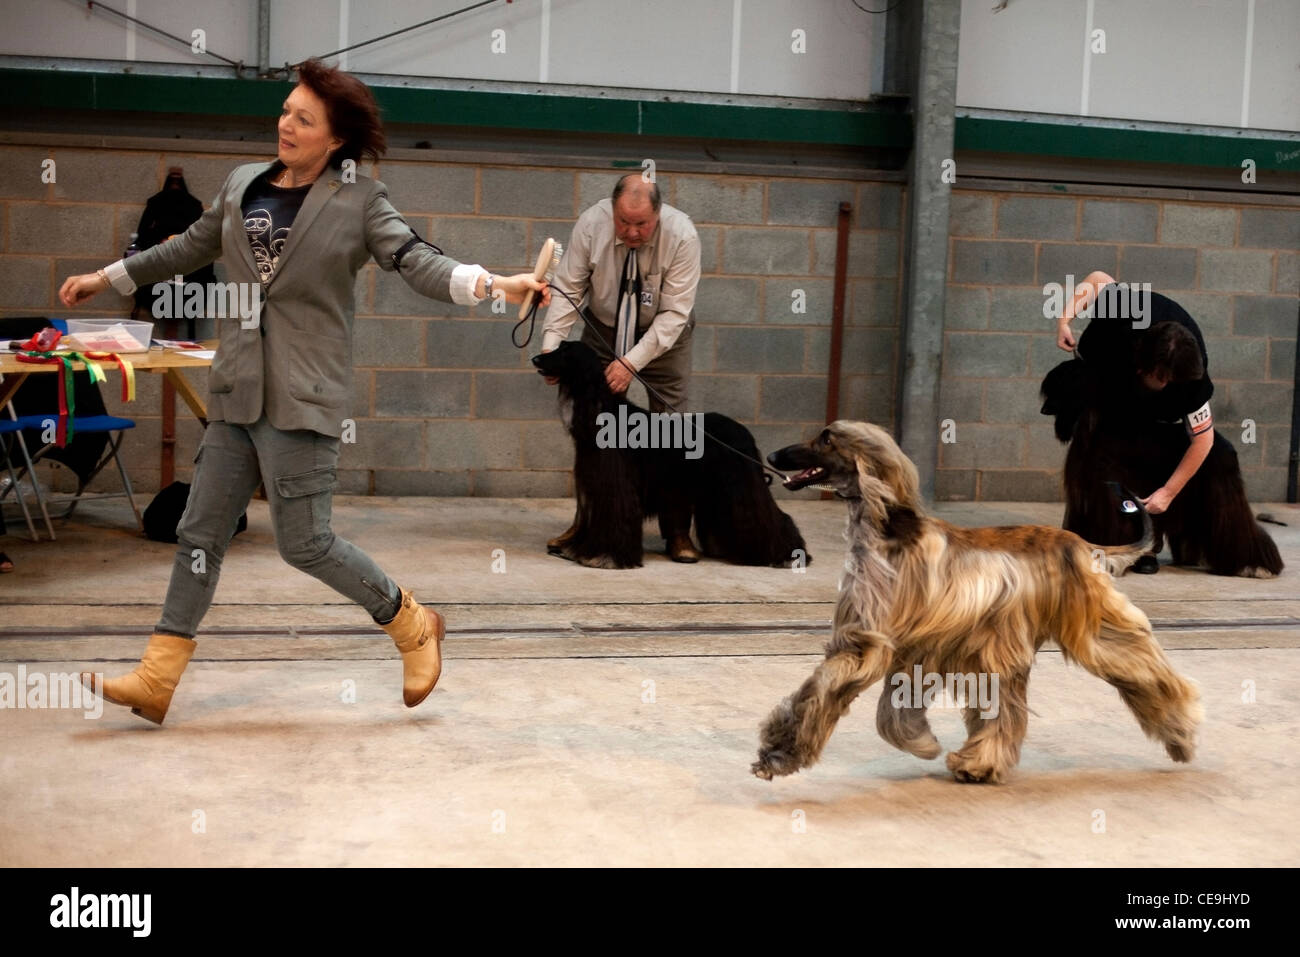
294, 232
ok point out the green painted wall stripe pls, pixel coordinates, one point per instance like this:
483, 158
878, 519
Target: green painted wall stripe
114, 91
1133, 146
55, 90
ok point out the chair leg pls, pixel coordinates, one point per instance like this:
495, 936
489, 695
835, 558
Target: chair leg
80, 487
83, 484
18, 494
36, 485
114, 442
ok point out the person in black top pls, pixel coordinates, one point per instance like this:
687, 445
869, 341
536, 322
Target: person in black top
1134, 406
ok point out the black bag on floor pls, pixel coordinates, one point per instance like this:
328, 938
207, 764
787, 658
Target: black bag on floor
165, 511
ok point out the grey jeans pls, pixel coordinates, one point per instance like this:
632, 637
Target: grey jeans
298, 469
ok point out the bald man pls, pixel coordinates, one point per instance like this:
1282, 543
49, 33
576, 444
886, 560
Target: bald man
634, 264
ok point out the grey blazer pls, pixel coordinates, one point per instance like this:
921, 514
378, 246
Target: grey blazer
295, 365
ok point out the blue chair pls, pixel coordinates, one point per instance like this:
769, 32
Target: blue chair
12, 426
97, 435
111, 425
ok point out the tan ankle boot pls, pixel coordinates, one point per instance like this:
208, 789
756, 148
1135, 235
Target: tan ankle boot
418, 632
148, 690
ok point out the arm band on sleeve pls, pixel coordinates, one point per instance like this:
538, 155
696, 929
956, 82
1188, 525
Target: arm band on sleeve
1199, 421
410, 244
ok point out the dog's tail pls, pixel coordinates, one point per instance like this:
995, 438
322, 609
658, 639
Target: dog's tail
1120, 558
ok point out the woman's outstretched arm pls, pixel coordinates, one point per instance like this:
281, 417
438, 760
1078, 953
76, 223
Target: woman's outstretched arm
428, 272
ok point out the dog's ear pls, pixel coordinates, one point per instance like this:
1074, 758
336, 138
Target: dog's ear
885, 474
875, 493
886, 478
904, 480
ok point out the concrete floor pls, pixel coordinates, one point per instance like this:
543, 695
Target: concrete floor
598, 717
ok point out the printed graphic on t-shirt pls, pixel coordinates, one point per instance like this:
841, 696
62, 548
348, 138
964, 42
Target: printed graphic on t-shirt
1200, 420
266, 245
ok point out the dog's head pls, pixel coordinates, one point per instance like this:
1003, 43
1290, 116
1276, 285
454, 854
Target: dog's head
856, 459
575, 364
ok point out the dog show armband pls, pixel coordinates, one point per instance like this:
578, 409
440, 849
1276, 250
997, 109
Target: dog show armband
1199, 421
410, 244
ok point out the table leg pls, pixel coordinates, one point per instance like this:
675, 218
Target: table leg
167, 465
186, 392
10, 385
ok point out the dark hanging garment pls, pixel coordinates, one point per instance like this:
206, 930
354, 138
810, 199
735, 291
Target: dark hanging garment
167, 213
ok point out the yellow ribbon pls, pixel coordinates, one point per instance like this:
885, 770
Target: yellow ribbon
128, 373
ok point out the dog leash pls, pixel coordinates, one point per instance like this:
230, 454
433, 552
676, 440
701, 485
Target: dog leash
531, 319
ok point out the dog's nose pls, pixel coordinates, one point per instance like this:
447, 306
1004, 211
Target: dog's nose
537, 360
771, 457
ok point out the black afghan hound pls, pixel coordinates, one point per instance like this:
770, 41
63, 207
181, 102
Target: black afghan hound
620, 482
1209, 523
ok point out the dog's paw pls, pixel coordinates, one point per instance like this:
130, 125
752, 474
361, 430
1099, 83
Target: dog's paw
971, 772
1180, 751
1178, 732
1255, 572
772, 764
603, 561
926, 747
1181, 747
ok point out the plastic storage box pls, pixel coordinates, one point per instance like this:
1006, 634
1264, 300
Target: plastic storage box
110, 335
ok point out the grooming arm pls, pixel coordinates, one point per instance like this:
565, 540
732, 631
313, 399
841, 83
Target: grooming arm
1191, 462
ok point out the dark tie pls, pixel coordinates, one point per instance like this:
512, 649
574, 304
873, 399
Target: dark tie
628, 304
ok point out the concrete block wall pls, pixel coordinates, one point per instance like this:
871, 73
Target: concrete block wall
443, 402
1233, 267
445, 405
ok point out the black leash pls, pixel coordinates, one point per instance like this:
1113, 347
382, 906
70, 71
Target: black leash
531, 319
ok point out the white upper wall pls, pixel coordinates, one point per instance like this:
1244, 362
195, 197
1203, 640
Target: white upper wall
712, 46
1218, 62
1213, 62
68, 28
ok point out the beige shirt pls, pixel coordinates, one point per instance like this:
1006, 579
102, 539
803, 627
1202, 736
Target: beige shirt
592, 265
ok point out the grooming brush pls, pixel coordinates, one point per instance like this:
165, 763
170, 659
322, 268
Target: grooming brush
547, 262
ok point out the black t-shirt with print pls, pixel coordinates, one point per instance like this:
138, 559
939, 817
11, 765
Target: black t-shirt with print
269, 212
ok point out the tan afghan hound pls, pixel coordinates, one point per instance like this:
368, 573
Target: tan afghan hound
922, 596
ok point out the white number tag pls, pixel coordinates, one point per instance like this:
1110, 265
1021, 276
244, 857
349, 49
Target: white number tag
1200, 420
